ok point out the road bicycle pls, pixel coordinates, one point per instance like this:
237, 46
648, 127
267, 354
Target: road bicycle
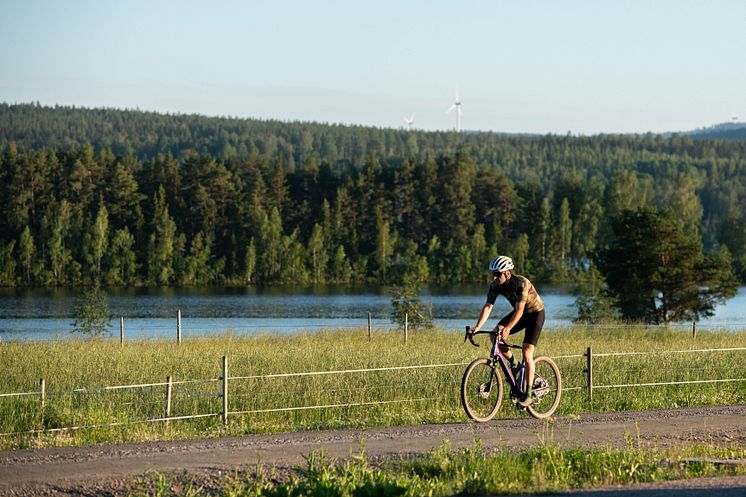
482, 385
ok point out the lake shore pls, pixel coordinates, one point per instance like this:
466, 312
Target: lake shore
152, 313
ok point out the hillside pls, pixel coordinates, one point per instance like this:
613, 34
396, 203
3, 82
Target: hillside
131, 197
722, 131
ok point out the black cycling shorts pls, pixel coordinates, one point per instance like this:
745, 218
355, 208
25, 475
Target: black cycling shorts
532, 322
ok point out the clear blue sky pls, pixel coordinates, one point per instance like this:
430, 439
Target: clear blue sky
519, 66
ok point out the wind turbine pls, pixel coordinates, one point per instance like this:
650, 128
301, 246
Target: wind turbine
409, 121
456, 105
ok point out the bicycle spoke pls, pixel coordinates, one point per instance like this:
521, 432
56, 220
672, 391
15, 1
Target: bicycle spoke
547, 388
481, 390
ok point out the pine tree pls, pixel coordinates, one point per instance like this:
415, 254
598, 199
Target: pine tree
7, 264
27, 254
658, 273
122, 260
161, 248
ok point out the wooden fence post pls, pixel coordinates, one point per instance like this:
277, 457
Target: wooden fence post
42, 393
178, 326
694, 329
225, 391
406, 328
370, 325
121, 330
169, 390
589, 372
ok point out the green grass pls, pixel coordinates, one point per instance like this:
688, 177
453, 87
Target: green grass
432, 394
445, 472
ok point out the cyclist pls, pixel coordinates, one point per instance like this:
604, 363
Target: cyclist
527, 313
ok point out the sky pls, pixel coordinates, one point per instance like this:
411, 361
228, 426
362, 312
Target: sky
528, 66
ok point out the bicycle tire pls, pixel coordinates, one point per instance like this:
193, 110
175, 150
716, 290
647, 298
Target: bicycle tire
546, 397
479, 405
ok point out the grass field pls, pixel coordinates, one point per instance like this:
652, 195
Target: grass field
391, 397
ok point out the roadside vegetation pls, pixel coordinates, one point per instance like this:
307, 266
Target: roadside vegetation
474, 471
76, 371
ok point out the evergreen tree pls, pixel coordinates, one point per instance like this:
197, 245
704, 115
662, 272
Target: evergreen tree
545, 224
456, 209
97, 242
27, 254
341, 269
7, 264
250, 262
733, 235
564, 234
198, 270
60, 257
162, 242
318, 254
292, 260
270, 246
658, 273
519, 252
125, 198
122, 260
627, 192
384, 245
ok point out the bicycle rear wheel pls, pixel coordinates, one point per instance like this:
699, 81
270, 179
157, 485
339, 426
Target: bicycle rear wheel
481, 390
547, 388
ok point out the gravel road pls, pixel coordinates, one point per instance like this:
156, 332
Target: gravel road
107, 469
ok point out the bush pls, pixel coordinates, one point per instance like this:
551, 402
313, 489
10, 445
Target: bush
92, 316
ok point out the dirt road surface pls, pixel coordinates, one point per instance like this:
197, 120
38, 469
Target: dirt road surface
102, 469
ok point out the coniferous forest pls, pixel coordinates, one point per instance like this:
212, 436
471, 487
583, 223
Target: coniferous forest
138, 198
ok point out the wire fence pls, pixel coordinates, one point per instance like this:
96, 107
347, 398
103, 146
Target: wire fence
159, 328
292, 393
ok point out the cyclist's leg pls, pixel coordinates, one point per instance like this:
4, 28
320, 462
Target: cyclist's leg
534, 324
505, 351
528, 357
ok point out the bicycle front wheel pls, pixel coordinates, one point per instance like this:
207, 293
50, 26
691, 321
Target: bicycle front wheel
547, 388
481, 390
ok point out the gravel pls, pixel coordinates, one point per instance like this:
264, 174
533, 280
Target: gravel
117, 469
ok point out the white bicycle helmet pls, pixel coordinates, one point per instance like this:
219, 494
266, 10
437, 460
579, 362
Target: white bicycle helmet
501, 263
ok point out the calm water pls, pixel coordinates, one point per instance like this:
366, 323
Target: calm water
150, 313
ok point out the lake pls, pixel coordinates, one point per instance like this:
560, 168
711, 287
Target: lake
151, 313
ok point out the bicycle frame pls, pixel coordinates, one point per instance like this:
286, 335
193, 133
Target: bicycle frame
495, 354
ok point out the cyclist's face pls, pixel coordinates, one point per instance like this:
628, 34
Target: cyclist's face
500, 277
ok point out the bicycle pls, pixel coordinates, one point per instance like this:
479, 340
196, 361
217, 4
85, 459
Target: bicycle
482, 385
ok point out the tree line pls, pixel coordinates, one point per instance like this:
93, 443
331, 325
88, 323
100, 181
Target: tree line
132, 198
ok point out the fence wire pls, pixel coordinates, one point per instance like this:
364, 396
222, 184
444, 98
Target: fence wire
319, 390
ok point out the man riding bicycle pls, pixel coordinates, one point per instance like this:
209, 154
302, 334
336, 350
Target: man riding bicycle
528, 314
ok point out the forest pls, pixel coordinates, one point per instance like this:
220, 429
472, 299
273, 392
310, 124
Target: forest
129, 198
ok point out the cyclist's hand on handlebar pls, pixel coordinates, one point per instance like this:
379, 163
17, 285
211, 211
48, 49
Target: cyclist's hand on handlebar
504, 332
470, 335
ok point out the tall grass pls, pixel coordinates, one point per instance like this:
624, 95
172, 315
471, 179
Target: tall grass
405, 396
445, 472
